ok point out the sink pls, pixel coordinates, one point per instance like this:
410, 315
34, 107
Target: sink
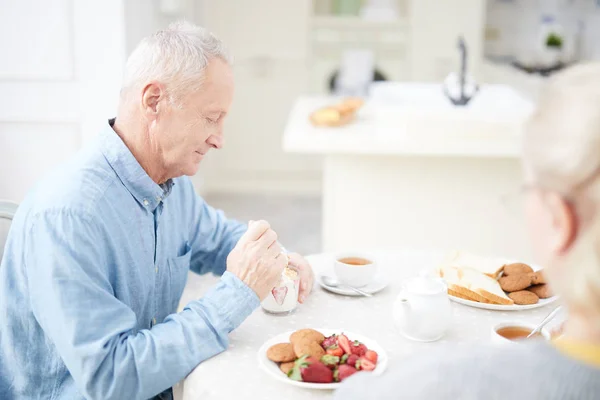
491, 101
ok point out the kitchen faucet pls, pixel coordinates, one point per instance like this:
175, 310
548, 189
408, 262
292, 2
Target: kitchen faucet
463, 99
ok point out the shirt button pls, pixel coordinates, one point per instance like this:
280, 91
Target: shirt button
153, 322
146, 202
156, 269
158, 198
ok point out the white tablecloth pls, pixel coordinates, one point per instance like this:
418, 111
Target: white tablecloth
235, 374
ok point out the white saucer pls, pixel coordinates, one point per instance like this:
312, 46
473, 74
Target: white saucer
379, 283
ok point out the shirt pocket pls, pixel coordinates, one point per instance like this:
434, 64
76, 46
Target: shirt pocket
178, 273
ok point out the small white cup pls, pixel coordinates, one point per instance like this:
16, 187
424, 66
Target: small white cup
499, 339
356, 275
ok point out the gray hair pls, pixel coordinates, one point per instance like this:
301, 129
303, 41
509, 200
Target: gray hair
562, 153
175, 57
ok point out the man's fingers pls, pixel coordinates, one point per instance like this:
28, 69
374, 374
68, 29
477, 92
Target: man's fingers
255, 230
281, 261
273, 251
305, 288
267, 239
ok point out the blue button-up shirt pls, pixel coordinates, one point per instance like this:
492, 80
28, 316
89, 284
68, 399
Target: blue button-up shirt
94, 266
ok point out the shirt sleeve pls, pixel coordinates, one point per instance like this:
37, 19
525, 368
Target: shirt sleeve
212, 237
95, 333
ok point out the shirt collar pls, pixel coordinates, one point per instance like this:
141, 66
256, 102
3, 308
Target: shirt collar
147, 192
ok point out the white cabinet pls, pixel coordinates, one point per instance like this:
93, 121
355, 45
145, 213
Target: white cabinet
257, 28
269, 43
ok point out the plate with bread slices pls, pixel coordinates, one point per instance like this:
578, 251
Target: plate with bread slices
494, 284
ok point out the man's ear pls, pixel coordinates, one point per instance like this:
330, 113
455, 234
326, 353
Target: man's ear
152, 94
564, 222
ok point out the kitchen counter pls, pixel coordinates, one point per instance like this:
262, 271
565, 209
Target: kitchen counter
414, 171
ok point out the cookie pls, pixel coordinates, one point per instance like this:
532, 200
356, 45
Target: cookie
541, 291
286, 367
524, 297
307, 335
282, 352
538, 278
514, 283
313, 349
516, 269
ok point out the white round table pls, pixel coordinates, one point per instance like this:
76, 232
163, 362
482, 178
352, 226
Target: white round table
236, 374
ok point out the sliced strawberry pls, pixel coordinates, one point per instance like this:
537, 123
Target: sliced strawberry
358, 348
329, 341
335, 350
345, 371
344, 343
352, 359
365, 364
371, 356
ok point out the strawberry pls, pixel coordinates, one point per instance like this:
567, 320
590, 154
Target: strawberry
365, 364
335, 350
352, 359
345, 371
309, 369
371, 356
344, 343
329, 341
358, 348
330, 361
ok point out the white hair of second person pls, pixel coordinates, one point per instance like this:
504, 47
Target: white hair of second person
175, 57
562, 152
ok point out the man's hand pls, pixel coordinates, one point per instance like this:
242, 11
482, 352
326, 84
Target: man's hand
257, 259
300, 264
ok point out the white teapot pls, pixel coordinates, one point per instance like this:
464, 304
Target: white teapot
422, 310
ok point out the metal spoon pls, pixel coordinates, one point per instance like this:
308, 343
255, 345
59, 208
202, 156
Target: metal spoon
545, 321
329, 281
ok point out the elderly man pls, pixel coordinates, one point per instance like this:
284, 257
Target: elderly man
99, 252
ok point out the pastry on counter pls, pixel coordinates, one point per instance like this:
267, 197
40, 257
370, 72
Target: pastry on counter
338, 114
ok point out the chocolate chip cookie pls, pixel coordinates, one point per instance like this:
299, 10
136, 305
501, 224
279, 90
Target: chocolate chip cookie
524, 297
542, 291
309, 335
313, 349
516, 269
282, 352
514, 283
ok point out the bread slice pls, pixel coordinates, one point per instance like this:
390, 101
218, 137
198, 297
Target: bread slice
456, 287
491, 267
483, 285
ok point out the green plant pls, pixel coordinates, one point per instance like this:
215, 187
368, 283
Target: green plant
554, 40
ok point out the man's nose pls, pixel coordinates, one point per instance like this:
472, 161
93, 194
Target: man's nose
215, 141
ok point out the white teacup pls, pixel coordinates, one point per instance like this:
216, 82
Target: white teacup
355, 269
515, 333
422, 310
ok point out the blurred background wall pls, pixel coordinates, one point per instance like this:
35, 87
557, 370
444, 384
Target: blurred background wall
62, 59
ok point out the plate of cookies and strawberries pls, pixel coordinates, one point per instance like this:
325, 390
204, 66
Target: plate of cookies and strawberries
320, 358
494, 284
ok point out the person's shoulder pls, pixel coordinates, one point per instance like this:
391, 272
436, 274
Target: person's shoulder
443, 372
75, 186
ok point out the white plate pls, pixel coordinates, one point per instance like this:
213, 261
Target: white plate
273, 370
379, 283
502, 307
